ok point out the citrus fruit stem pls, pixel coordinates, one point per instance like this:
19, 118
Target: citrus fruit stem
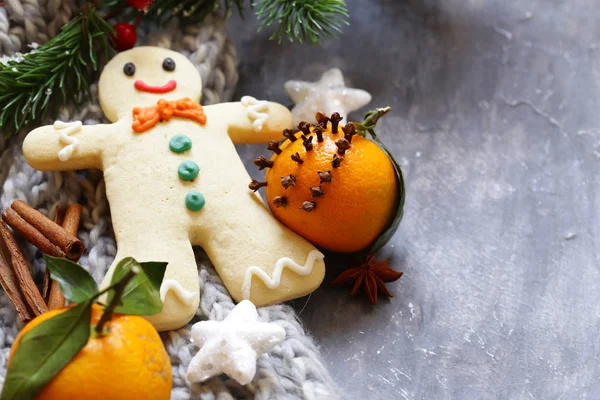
372, 118
370, 121
119, 289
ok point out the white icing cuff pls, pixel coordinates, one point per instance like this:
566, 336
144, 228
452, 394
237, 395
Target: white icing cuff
254, 111
183, 295
66, 129
285, 262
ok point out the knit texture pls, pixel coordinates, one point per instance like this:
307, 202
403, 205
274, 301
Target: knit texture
292, 370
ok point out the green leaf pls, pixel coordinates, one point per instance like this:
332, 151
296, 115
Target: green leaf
368, 125
142, 294
76, 284
155, 271
54, 62
389, 232
45, 350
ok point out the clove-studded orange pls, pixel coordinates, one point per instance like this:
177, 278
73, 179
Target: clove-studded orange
330, 185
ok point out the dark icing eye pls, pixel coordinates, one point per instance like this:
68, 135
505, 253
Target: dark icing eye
129, 69
169, 64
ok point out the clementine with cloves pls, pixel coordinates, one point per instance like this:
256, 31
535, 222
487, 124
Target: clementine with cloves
330, 185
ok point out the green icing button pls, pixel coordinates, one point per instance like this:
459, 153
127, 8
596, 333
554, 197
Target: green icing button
188, 170
180, 143
194, 201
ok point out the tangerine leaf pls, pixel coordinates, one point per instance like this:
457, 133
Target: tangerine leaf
45, 350
142, 294
401, 193
76, 284
368, 125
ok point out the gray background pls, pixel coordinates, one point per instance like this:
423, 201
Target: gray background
496, 122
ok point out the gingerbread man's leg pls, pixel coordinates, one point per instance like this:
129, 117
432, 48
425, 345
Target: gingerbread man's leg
180, 287
257, 257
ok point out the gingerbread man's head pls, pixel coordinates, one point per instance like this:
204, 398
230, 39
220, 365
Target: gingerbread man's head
141, 76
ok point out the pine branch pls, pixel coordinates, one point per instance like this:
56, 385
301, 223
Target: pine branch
187, 11
36, 84
296, 20
303, 20
191, 10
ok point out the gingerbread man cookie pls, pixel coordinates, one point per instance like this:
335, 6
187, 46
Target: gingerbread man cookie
174, 180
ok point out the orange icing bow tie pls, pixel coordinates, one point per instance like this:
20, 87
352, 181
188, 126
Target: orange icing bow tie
145, 118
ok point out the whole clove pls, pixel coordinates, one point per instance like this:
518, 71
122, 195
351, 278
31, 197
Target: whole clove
324, 176
322, 119
307, 142
318, 129
335, 121
342, 144
273, 145
296, 157
262, 163
255, 185
317, 191
349, 131
280, 201
287, 181
337, 161
308, 206
289, 134
304, 127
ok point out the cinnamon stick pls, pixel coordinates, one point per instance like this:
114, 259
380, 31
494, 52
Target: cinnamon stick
55, 297
10, 284
71, 220
68, 244
32, 235
59, 214
71, 225
30, 292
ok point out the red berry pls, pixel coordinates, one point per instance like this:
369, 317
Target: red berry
124, 37
139, 4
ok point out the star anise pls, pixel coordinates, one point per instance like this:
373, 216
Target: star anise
372, 276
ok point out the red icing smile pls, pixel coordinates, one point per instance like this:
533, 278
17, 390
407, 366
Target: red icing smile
166, 88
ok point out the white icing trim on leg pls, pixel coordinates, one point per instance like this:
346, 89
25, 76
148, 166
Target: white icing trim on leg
66, 129
259, 118
285, 262
185, 296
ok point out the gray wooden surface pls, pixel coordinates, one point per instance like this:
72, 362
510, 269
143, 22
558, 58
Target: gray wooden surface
496, 121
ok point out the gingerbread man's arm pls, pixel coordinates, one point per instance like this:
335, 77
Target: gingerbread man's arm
67, 146
251, 121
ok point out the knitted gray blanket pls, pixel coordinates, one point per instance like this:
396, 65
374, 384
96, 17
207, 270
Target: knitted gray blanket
292, 370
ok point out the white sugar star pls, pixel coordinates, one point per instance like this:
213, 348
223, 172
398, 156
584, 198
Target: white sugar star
328, 95
232, 345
